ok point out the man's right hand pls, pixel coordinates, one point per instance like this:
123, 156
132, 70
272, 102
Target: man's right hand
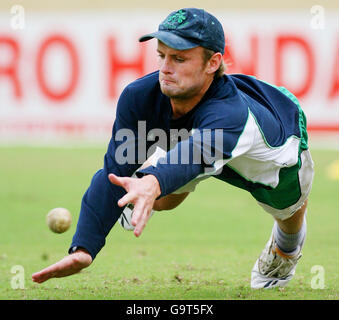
67, 266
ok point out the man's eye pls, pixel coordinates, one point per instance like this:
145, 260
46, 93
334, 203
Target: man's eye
178, 59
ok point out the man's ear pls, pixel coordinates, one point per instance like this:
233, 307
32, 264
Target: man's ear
214, 63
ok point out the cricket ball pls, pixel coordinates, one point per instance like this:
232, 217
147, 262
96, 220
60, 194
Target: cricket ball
59, 220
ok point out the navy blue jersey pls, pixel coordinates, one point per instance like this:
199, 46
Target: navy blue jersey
257, 121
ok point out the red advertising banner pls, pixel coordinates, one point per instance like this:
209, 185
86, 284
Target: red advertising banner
61, 74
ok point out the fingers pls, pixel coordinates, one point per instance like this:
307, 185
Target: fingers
119, 181
126, 199
47, 273
42, 276
141, 215
65, 267
142, 193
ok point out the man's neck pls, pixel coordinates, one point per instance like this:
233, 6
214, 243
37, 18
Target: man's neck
182, 106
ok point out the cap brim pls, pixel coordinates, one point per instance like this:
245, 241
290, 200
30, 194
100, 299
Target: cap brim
170, 39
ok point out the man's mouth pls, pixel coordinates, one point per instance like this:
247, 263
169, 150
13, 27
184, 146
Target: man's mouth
167, 81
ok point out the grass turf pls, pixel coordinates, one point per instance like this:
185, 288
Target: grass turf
204, 249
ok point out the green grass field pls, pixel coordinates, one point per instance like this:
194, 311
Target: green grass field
204, 249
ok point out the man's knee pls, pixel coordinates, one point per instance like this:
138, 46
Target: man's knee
294, 223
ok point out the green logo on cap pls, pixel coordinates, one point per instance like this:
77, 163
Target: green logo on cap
175, 20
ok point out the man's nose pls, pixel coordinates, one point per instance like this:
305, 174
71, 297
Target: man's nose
166, 66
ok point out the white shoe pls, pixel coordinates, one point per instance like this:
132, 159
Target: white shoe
126, 217
273, 268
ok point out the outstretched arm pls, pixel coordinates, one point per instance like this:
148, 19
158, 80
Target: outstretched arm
99, 209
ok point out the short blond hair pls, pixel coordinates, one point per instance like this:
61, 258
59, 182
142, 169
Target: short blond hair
207, 55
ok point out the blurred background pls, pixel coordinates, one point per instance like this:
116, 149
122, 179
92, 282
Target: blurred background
63, 64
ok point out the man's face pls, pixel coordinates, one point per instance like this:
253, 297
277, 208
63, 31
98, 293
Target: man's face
181, 72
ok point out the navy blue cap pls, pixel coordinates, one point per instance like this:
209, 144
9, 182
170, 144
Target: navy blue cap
189, 28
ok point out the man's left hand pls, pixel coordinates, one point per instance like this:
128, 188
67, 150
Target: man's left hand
142, 193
